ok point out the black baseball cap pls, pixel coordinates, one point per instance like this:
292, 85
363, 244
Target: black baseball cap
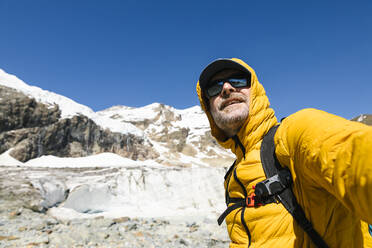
217, 66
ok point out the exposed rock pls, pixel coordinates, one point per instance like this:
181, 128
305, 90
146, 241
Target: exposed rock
34, 129
19, 111
121, 220
365, 118
175, 133
30, 129
164, 115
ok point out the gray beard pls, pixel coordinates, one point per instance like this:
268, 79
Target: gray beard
230, 124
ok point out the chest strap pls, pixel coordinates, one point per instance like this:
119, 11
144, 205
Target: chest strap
265, 192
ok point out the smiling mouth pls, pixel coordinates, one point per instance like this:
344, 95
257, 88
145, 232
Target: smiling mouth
229, 103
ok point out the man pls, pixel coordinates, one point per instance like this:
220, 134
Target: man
330, 160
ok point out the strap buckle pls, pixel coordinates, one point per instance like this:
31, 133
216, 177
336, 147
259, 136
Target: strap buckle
251, 200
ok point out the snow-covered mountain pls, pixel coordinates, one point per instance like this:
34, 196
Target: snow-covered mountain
123, 161
69, 107
181, 137
172, 137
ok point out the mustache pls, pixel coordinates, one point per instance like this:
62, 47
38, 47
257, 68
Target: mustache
233, 97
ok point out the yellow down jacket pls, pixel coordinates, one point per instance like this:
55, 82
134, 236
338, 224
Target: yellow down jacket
330, 159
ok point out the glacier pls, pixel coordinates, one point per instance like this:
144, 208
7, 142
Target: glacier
179, 184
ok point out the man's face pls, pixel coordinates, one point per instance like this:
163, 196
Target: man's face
230, 108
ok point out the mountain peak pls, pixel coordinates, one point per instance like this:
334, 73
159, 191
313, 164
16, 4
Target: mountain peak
68, 107
65, 127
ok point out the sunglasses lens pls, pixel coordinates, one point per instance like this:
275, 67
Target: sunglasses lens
214, 89
238, 82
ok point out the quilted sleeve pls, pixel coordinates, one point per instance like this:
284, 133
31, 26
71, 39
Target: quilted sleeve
333, 153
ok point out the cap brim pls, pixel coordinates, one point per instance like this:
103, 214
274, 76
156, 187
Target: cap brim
217, 66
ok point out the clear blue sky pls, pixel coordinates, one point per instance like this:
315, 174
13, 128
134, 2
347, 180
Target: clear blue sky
104, 53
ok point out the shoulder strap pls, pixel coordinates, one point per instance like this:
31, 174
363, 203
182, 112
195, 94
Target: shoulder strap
272, 167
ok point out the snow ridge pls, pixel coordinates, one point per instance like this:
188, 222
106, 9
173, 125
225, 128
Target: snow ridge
181, 137
68, 107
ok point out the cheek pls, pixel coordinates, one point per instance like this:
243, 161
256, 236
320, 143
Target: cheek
213, 103
246, 92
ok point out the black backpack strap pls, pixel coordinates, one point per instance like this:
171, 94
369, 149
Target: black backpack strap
272, 167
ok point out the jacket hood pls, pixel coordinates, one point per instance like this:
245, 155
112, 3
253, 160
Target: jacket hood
261, 117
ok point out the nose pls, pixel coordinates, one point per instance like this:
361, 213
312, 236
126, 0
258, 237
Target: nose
227, 88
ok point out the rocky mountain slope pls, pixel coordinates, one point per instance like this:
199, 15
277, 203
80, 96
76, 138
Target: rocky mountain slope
365, 118
33, 129
181, 137
35, 122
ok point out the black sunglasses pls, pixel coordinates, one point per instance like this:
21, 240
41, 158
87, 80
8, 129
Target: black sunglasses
215, 88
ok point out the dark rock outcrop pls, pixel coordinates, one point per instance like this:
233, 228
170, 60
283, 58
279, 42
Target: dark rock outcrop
19, 111
33, 129
366, 119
